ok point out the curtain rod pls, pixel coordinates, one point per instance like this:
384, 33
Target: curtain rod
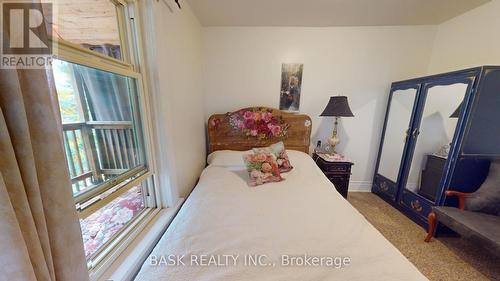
168, 5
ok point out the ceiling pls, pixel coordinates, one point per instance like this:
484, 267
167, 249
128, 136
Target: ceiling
328, 12
86, 21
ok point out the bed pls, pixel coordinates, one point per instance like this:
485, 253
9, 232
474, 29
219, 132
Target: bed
296, 229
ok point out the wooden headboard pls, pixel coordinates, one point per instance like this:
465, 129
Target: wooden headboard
258, 127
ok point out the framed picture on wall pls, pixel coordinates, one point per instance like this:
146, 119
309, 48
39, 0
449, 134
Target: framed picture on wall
291, 83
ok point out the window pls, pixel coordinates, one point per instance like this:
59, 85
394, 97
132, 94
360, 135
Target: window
104, 115
102, 124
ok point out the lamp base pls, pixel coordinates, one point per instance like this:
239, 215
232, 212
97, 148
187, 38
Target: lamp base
334, 140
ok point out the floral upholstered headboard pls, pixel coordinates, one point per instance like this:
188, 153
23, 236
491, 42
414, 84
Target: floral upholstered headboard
258, 127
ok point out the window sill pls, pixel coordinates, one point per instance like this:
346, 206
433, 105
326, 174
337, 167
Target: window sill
126, 265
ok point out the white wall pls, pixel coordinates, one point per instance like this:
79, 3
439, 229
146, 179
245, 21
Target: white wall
243, 64
175, 56
242, 68
469, 40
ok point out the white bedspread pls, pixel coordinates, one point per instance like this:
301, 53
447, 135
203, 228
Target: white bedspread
301, 216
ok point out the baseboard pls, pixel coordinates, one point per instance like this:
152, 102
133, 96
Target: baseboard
360, 186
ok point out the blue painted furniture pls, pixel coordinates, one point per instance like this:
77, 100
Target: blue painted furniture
460, 109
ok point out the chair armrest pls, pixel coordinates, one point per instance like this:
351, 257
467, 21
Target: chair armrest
461, 197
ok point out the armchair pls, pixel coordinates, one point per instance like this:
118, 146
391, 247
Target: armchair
432, 216
478, 214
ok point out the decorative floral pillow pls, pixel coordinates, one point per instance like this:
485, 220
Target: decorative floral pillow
262, 168
278, 149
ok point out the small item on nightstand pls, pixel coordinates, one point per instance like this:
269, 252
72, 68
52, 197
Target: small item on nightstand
328, 148
444, 151
334, 157
318, 147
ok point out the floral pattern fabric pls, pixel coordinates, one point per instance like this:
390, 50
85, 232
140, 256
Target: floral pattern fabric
101, 226
262, 168
278, 149
259, 123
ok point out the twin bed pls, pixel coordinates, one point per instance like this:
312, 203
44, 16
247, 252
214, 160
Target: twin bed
296, 229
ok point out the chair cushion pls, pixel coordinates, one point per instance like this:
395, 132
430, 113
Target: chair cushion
481, 227
487, 198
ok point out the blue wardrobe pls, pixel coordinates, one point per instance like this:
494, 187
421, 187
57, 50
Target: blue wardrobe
440, 132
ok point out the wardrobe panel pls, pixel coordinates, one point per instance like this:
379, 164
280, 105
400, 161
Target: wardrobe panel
483, 133
396, 132
433, 138
451, 136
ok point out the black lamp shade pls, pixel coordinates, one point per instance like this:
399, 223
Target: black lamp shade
337, 106
456, 113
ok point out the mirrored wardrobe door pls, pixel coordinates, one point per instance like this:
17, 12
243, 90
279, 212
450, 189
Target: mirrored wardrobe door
433, 138
396, 132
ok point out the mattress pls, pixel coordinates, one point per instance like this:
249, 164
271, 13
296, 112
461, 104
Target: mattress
297, 229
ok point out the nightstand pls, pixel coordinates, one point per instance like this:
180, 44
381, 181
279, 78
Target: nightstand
338, 172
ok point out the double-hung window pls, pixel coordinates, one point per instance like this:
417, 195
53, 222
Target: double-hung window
105, 121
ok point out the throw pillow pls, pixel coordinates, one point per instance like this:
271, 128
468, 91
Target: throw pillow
487, 198
262, 168
278, 149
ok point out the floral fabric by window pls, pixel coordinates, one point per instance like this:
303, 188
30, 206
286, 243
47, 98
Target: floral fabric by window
278, 149
101, 226
262, 168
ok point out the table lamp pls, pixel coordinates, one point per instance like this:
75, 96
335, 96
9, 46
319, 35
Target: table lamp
456, 113
337, 107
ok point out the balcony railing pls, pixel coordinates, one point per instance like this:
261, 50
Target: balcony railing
97, 151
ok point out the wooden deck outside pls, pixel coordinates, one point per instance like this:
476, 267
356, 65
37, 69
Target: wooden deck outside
98, 151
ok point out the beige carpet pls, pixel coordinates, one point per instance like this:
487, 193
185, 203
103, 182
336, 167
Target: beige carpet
445, 258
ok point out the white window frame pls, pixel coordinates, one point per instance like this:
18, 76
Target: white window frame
131, 65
